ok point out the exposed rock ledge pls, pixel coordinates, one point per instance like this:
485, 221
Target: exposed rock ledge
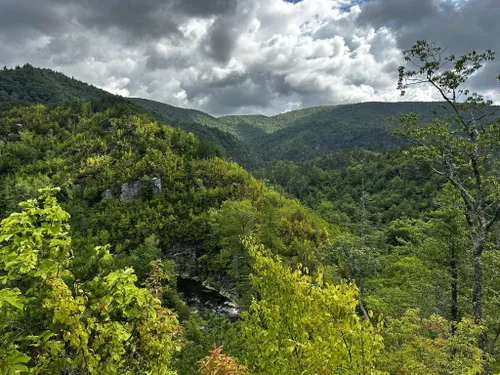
134, 189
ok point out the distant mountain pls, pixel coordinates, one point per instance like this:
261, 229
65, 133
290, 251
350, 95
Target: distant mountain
176, 115
247, 139
45, 86
317, 131
205, 127
297, 135
312, 132
36, 85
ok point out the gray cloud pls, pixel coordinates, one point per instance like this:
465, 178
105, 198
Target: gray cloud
223, 36
220, 41
458, 26
401, 13
67, 49
203, 8
237, 56
29, 16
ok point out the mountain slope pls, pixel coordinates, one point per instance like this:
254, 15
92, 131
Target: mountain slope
45, 86
205, 127
176, 115
36, 85
301, 134
125, 178
247, 139
318, 131
312, 132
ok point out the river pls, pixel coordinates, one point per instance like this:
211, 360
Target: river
201, 297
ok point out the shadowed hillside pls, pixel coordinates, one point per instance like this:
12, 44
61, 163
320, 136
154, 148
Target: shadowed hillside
205, 127
36, 85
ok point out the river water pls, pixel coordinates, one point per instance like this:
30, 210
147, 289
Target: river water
201, 297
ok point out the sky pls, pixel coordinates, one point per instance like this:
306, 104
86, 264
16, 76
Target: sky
246, 56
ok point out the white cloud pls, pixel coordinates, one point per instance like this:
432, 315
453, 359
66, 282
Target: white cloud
247, 56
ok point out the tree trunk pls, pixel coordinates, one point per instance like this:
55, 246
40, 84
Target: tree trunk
454, 293
454, 285
477, 290
360, 297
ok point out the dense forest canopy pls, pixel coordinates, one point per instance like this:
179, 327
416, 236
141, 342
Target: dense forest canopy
35, 85
346, 250
306, 133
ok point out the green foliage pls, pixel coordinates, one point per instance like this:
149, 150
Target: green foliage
300, 324
142, 191
215, 141
432, 346
458, 146
296, 135
392, 186
52, 323
194, 217
35, 85
201, 336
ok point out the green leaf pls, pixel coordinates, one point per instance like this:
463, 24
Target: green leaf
13, 297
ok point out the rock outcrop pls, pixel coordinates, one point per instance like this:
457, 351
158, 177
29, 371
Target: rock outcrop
107, 194
156, 185
131, 190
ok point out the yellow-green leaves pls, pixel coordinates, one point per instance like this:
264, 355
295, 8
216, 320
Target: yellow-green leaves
34, 242
12, 297
49, 323
432, 346
301, 325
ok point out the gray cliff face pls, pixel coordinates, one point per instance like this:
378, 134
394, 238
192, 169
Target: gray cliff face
134, 189
156, 184
186, 261
131, 190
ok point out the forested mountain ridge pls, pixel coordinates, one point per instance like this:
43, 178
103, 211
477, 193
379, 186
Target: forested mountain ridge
139, 191
247, 139
317, 131
175, 115
149, 191
204, 127
311, 132
302, 134
375, 277
36, 85
117, 156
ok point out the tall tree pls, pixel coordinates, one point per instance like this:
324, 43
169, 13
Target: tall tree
458, 145
449, 245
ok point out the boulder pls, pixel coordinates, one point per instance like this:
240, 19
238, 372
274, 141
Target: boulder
156, 185
131, 190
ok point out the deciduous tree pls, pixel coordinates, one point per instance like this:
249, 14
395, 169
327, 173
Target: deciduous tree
458, 145
51, 323
301, 325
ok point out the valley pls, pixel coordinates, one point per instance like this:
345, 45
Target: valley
268, 235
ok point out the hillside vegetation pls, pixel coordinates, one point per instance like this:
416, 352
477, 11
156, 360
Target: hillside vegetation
302, 134
149, 191
250, 140
343, 252
35, 85
204, 127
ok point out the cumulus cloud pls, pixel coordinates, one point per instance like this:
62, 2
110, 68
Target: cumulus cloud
244, 56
